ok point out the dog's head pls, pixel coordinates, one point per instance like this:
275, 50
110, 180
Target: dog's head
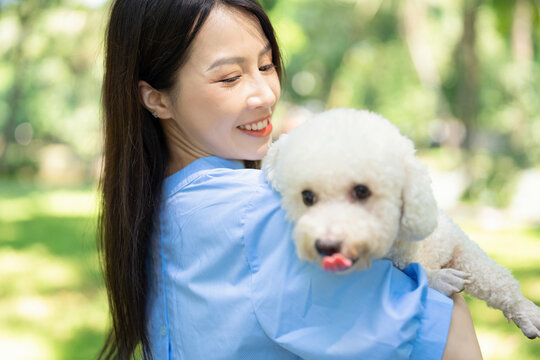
351, 184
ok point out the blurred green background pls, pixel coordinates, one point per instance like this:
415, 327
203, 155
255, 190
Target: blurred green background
461, 78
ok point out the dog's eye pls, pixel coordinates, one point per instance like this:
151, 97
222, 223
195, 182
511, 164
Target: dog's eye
308, 197
361, 192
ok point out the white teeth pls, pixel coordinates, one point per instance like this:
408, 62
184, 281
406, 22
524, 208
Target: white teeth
258, 126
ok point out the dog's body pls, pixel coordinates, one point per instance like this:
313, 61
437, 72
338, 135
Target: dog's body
448, 249
351, 184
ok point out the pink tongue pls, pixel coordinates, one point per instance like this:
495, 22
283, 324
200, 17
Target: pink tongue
336, 262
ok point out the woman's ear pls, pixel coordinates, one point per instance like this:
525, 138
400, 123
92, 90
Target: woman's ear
157, 102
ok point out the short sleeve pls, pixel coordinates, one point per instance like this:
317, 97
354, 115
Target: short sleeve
378, 313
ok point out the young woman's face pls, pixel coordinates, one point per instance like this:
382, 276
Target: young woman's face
225, 93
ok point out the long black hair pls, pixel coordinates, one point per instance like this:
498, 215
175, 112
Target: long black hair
145, 40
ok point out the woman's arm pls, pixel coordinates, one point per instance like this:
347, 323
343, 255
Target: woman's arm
462, 343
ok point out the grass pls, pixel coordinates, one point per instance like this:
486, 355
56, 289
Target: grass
53, 306
518, 250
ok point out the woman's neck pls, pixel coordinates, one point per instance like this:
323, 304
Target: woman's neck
181, 152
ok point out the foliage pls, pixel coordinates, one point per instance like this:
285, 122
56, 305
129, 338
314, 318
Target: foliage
426, 65
417, 63
50, 68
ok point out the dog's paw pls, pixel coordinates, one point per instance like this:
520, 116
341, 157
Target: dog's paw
448, 281
527, 317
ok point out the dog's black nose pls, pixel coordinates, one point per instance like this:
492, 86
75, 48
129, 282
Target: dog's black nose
327, 247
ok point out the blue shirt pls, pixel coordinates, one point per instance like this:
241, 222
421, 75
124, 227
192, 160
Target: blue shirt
225, 283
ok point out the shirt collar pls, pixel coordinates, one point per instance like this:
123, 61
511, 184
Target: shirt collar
184, 176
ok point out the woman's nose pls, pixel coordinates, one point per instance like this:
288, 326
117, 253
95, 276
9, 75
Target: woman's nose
262, 94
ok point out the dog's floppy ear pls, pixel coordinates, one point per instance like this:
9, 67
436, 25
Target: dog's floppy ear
419, 210
270, 162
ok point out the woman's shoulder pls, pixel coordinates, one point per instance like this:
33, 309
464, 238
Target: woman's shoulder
216, 174
214, 189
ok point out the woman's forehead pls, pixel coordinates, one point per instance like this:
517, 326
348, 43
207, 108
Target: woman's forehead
228, 32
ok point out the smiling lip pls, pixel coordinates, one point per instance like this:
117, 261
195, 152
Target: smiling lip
258, 128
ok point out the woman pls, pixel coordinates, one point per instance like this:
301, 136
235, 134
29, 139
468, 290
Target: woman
197, 253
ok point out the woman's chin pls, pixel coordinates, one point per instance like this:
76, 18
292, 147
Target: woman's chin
259, 153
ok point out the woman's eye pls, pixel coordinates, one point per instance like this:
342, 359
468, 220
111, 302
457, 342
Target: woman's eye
267, 67
308, 197
230, 80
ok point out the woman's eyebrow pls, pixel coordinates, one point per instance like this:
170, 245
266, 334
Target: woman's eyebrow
236, 60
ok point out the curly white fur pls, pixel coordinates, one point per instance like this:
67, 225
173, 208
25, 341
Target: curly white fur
340, 149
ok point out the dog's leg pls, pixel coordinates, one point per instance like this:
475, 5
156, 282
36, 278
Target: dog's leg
490, 281
448, 281
434, 253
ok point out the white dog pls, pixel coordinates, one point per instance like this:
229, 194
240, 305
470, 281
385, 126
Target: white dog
355, 190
